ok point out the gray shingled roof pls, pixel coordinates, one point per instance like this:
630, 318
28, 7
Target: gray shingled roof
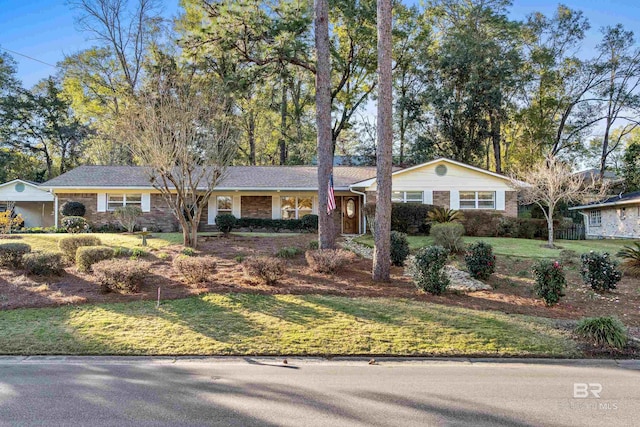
261, 177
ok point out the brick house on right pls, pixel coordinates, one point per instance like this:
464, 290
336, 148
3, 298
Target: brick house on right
617, 217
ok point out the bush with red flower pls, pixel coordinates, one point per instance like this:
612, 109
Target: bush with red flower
480, 260
550, 281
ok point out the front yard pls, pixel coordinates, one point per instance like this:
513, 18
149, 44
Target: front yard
306, 312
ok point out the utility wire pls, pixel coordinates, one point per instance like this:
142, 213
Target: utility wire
27, 56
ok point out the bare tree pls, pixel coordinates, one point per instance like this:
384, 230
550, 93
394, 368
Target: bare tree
551, 182
382, 235
183, 138
326, 226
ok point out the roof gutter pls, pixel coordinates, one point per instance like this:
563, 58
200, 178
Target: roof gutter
603, 205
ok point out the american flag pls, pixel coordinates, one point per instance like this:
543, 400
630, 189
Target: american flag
331, 198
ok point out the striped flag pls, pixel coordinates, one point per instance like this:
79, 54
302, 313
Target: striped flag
331, 198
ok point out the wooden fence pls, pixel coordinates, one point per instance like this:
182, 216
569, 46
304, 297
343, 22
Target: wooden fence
574, 232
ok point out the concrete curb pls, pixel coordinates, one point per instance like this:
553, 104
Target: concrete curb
343, 360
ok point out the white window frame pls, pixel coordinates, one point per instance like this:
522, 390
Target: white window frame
404, 198
595, 218
296, 208
224, 211
124, 200
477, 201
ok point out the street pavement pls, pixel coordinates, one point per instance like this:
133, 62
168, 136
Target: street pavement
50, 391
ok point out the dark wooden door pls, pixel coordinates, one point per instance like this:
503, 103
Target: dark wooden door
350, 215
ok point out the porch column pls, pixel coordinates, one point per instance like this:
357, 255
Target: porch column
55, 210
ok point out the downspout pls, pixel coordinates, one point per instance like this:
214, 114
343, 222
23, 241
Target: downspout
362, 215
586, 223
55, 209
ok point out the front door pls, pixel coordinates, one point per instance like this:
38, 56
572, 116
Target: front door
350, 215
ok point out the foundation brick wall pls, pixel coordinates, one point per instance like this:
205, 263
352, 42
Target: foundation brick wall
159, 219
442, 199
511, 204
255, 207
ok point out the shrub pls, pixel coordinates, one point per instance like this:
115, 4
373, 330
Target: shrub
631, 259
603, 331
599, 271
271, 224
9, 221
69, 245
309, 222
138, 253
188, 252
288, 252
480, 260
239, 258
327, 261
314, 244
163, 256
195, 269
410, 218
226, 223
120, 275
86, 256
11, 254
399, 248
550, 281
128, 216
427, 269
43, 263
265, 269
443, 215
72, 208
481, 224
121, 252
75, 224
449, 236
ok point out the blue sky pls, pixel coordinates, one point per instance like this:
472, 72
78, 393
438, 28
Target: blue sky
44, 29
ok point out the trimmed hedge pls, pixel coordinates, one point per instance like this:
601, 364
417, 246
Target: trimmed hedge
69, 245
86, 256
410, 218
120, 275
274, 225
43, 263
11, 254
493, 224
72, 208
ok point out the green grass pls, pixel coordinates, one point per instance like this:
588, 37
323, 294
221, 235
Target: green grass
525, 248
244, 324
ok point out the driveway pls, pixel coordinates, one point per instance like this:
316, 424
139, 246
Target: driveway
315, 392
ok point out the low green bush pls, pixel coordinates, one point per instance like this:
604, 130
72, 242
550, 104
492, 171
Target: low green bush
328, 261
410, 218
399, 248
43, 263
288, 252
480, 260
139, 253
69, 245
119, 275
264, 269
75, 224
121, 252
309, 222
550, 281
72, 208
449, 236
599, 271
11, 254
603, 331
427, 269
314, 244
631, 259
195, 269
188, 252
226, 223
86, 256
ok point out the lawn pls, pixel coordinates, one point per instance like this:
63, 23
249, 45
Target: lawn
49, 242
243, 324
525, 248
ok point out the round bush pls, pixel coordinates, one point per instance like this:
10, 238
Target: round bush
11, 254
86, 256
120, 275
328, 261
399, 248
69, 245
265, 269
195, 269
226, 223
310, 222
427, 269
550, 281
449, 236
599, 271
75, 224
480, 260
43, 263
72, 208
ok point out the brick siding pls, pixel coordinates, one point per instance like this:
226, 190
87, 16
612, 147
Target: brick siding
442, 199
255, 207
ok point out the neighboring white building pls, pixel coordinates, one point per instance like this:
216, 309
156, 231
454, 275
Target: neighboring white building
33, 203
616, 217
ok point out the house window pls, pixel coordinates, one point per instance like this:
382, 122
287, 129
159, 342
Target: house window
224, 204
595, 218
406, 196
477, 200
115, 201
295, 207
622, 213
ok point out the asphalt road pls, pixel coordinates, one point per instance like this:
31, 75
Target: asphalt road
308, 392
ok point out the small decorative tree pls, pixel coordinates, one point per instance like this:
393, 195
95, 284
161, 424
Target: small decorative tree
551, 182
128, 216
8, 221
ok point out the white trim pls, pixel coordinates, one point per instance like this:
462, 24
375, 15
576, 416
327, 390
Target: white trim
55, 211
601, 205
500, 200
102, 202
96, 189
454, 199
275, 207
369, 182
212, 207
146, 202
427, 197
236, 208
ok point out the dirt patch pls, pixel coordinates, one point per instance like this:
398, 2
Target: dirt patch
512, 284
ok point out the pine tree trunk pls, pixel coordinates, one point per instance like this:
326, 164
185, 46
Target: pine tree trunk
326, 233
382, 250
